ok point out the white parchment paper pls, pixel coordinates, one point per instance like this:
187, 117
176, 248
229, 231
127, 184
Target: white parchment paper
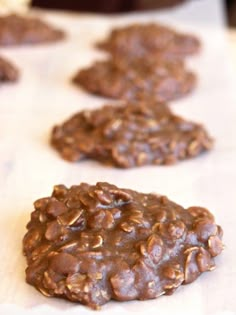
29, 167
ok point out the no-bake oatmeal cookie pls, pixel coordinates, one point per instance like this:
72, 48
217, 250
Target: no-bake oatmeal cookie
94, 243
131, 134
18, 29
150, 40
120, 78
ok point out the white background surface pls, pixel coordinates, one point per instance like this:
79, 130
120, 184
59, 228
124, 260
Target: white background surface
29, 167
232, 43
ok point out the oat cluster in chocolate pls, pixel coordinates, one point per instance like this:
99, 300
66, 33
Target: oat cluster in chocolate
131, 134
120, 78
91, 244
19, 29
150, 40
8, 72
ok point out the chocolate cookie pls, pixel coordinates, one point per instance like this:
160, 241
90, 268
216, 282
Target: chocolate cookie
150, 41
128, 135
17, 30
8, 72
122, 79
91, 244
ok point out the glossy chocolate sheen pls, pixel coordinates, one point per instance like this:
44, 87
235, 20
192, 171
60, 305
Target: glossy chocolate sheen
94, 243
129, 135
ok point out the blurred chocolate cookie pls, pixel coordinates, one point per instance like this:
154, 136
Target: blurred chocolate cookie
18, 30
8, 72
120, 78
150, 41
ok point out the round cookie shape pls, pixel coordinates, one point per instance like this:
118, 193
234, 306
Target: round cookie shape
150, 40
94, 243
120, 78
130, 135
20, 30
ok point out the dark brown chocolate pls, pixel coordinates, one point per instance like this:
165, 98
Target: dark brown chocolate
18, 30
8, 72
91, 244
129, 135
125, 79
150, 41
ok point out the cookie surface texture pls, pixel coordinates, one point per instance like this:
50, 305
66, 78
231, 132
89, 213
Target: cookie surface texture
120, 78
129, 135
94, 243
